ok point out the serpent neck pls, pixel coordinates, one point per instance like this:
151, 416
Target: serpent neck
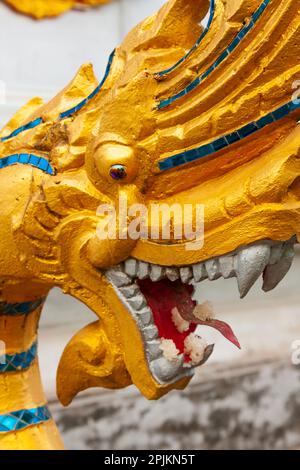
25, 420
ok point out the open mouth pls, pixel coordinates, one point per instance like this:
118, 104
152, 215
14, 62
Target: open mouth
160, 299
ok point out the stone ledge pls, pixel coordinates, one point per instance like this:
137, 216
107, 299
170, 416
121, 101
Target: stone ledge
256, 407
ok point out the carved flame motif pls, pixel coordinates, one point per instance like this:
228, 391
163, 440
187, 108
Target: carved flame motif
183, 114
40, 9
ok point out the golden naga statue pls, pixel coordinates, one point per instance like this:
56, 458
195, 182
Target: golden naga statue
185, 115
47, 8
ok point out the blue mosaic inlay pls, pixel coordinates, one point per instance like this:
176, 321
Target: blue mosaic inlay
65, 114
232, 46
225, 141
26, 127
77, 108
196, 45
27, 159
24, 308
21, 419
19, 361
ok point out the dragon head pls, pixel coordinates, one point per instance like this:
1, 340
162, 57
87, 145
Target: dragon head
186, 115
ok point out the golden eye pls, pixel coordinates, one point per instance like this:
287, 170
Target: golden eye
116, 162
118, 172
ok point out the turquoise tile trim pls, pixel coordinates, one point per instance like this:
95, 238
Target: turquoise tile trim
27, 159
225, 141
65, 114
21, 419
232, 46
212, 10
26, 127
19, 361
77, 108
24, 308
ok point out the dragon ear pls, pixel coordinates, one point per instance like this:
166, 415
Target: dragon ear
175, 25
22, 115
178, 18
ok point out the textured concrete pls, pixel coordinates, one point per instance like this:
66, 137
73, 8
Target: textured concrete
255, 408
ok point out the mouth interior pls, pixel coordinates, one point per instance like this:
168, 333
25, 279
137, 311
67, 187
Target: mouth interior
165, 296
162, 297
160, 301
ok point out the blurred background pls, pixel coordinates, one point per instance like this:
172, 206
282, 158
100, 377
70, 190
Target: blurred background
247, 399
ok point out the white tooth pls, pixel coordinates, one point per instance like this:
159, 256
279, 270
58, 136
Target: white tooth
181, 324
138, 302
143, 270
186, 274
166, 370
153, 347
227, 266
131, 267
274, 274
169, 349
250, 263
195, 347
130, 291
156, 273
172, 274
213, 269
199, 272
145, 316
207, 353
118, 278
120, 267
276, 253
203, 311
150, 332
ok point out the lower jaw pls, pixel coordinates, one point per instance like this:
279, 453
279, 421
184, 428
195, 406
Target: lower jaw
149, 299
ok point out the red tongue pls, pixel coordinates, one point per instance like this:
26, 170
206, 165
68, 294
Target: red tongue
175, 294
186, 306
223, 328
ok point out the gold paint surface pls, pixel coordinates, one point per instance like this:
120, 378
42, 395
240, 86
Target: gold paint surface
20, 390
30, 438
40, 9
19, 332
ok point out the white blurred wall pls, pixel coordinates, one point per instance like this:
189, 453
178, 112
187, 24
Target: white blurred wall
42, 57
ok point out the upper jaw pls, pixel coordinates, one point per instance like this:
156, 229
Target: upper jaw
273, 259
247, 264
